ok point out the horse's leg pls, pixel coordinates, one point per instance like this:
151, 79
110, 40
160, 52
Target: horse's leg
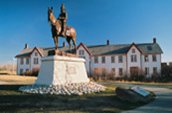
56, 41
74, 42
68, 40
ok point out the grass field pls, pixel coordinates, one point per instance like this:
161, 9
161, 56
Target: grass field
16, 79
15, 101
7, 72
12, 100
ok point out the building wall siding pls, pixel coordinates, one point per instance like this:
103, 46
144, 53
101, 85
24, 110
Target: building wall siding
126, 64
108, 65
35, 66
23, 66
151, 64
31, 64
86, 56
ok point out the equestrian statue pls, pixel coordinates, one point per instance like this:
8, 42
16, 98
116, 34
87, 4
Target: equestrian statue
60, 29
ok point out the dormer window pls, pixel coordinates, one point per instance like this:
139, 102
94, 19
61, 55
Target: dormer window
149, 48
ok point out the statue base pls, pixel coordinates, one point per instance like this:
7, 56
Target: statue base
61, 53
59, 70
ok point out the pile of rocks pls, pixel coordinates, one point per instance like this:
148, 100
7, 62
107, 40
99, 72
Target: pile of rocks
67, 89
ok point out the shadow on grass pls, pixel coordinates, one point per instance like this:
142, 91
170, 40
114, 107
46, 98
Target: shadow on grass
12, 100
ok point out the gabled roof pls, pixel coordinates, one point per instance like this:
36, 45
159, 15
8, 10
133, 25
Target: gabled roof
150, 48
145, 48
133, 44
85, 47
42, 51
25, 52
108, 49
28, 51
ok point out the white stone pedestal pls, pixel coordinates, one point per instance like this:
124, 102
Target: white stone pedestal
59, 70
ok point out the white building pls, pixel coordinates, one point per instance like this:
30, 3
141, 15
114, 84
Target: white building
29, 59
121, 59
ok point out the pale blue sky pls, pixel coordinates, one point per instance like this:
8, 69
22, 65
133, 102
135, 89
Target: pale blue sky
120, 21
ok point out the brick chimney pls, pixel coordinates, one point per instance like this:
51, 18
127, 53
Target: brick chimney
26, 46
64, 44
107, 42
154, 40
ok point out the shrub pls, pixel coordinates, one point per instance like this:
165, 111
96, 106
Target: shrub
35, 71
166, 74
102, 74
137, 77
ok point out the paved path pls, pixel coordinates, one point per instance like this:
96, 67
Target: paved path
161, 104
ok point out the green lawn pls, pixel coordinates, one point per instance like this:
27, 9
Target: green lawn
12, 100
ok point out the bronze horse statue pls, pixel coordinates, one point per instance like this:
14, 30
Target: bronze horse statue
56, 27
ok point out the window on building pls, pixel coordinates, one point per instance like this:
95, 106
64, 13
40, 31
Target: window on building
154, 59
35, 61
146, 58
133, 51
96, 60
155, 71
36, 54
113, 71
103, 59
120, 71
81, 52
133, 58
149, 48
146, 71
112, 59
27, 60
22, 61
120, 59
21, 71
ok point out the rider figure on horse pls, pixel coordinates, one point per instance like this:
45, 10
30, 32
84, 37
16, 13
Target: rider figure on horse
63, 19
